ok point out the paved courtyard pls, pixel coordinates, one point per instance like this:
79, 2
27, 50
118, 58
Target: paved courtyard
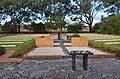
102, 68
60, 51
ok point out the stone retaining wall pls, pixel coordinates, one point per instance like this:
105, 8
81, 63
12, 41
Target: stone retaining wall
44, 42
79, 41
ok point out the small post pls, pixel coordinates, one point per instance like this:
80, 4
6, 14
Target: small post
73, 62
59, 36
85, 62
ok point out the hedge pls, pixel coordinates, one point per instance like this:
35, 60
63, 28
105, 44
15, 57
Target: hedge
23, 48
104, 47
2, 50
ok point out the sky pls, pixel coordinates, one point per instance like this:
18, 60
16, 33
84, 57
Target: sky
97, 18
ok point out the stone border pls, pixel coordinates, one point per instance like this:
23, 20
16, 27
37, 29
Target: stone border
66, 56
112, 42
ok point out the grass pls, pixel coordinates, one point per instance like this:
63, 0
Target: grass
24, 48
113, 48
17, 38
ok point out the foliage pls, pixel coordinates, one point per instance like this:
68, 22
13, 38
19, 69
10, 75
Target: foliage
9, 27
2, 50
56, 13
96, 27
87, 10
70, 36
76, 27
75, 35
40, 27
111, 25
113, 6
22, 11
23, 48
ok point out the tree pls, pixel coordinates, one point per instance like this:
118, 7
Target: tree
37, 28
15, 9
9, 27
87, 10
56, 12
75, 27
22, 10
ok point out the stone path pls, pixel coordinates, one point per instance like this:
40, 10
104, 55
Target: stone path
102, 68
5, 57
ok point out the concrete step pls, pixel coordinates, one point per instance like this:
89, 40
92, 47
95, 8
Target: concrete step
65, 44
64, 41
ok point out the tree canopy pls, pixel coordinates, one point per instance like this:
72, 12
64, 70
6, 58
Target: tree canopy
113, 6
54, 12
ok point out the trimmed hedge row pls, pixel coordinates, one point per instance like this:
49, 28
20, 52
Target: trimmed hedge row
2, 50
23, 48
104, 47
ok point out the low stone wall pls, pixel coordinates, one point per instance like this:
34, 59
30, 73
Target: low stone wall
44, 41
79, 41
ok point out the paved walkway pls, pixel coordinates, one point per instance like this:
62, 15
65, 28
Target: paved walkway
102, 68
5, 57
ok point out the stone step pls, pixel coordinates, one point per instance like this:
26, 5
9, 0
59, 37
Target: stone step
64, 41
65, 44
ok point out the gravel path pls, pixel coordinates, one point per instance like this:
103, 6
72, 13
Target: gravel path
102, 68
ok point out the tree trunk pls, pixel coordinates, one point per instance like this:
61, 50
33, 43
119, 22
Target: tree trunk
18, 29
90, 28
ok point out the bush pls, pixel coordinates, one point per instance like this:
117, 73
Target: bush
75, 35
2, 50
24, 48
111, 25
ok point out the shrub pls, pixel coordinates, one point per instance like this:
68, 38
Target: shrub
24, 48
70, 36
111, 25
75, 35
2, 50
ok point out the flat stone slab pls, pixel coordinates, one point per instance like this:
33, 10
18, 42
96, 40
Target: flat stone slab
47, 51
57, 52
108, 40
112, 43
